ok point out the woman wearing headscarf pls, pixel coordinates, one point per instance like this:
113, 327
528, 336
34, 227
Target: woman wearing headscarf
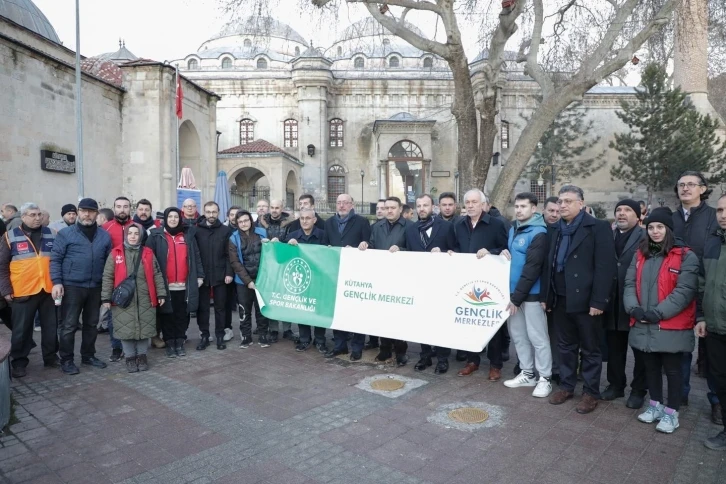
176, 250
135, 324
660, 291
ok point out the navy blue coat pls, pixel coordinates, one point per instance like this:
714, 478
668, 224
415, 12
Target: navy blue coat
356, 231
75, 261
489, 233
442, 236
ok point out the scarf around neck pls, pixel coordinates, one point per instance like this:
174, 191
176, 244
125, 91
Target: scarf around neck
566, 233
147, 224
423, 228
342, 222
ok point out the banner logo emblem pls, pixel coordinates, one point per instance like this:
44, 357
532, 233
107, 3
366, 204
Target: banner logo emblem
297, 276
478, 297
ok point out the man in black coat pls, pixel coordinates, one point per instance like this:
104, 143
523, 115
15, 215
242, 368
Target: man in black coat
694, 222
447, 207
390, 234
627, 235
305, 202
576, 284
346, 229
212, 238
481, 234
430, 234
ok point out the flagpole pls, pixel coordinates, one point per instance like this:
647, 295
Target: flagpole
176, 95
79, 107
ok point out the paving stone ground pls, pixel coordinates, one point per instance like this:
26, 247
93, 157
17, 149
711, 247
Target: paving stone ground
276, 416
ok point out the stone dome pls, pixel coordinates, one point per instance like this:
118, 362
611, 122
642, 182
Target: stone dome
25, 13
369, 27
261, 26
121, 56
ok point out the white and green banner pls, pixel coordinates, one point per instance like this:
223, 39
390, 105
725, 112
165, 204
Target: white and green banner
454, 301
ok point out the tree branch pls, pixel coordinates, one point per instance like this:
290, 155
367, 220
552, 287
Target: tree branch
412, 4
397, 28
532, 66
626, 53
622, 14
506, 28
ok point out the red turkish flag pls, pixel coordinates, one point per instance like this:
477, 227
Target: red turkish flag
179, 96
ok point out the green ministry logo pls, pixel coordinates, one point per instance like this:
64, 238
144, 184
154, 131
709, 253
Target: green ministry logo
297, 276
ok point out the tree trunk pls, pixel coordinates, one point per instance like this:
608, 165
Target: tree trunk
487, 135
526, 145
464, 112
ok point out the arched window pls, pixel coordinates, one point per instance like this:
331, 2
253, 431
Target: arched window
297, 50
336, 133
290, 133
393, 62
336, 182
340, 51
248, 43
246, 131
262, 63
428, 62
192, 65
359, 63
405, 150
505, 135
226, 63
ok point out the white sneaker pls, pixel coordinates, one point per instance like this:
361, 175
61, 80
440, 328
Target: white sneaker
652, 413
521, 380
228, 334
668, 424
543, 388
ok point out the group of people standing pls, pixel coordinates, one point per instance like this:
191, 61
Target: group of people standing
582, 292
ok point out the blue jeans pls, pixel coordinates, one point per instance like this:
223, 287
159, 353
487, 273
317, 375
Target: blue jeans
115, 343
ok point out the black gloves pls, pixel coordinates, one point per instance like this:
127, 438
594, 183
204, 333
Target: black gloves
652, 317
638, 313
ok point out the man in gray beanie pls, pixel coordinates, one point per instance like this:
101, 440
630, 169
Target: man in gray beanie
627, 235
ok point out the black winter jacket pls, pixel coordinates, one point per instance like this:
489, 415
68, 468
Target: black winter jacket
356, 231
488, 234
589, 267
212, 242
616, 318
494, 212
701, 225
294, 226
442, 236
160, 247
276, 228
384, 236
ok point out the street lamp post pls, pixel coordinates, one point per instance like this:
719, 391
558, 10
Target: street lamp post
554, 169
362, 175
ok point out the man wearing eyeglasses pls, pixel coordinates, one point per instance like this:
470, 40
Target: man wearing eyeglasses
694, 221
576, 283
189, 210
25, 284
346, 229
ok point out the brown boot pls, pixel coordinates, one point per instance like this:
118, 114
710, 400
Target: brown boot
468, 369
142, 362
560, 396
495, 374
587, 404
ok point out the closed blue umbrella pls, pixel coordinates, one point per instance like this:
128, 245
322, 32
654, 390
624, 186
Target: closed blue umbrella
221, 195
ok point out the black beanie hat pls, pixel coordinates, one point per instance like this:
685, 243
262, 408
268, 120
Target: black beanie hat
67, 208
662, 215
629, 203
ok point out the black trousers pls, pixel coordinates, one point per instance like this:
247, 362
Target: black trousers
24, 310
494, 350
220, 309
175, 324
306, 334
246, 300
373, 340
579, 333
231, 303
441, 353
552, 330
79, 302
388, 345
655, 364
716, 355
341, 341
6, 314
617, 356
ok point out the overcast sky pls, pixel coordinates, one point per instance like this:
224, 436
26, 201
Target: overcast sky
171, 29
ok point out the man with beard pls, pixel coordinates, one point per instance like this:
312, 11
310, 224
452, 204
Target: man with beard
144, 216
121, 219
447, 207
212, 238
25, 282
232, 216
306, 202
276, 225
231, 294
346, 229
76, 269
627, 234
390, 234
430, 234
189, 212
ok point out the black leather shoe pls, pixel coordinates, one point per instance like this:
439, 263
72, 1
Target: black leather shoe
401, 360
273, 337
19, 372
611, 393
460, 355
441, 367
381, 356
52, 363
94, 362
635, 401
370, 346
334, 353
422, 364
69, 368
220, 343
203, 343
356, 355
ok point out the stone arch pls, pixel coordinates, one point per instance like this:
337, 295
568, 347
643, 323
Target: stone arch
248, 185
292, 189
190, 153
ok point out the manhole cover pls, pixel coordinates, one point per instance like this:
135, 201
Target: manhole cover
387, 385
469, 415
